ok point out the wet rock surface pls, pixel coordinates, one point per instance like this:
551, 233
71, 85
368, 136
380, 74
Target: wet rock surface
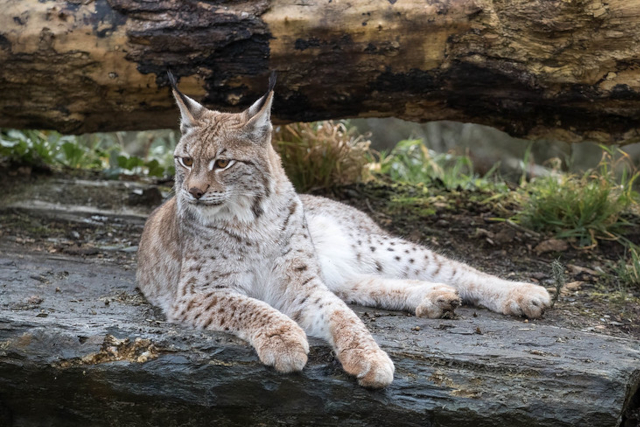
79, 345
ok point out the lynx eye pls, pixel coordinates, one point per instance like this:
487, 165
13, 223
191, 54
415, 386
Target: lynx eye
222, 163
187, 162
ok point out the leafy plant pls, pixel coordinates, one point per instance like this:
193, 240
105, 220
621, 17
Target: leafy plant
412, 162
30, 148
97, 151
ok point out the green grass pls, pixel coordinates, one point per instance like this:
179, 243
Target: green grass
582, 208
627, 270
412, 200
557, 271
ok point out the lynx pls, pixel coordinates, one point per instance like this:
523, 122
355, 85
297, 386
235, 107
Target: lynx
237, 250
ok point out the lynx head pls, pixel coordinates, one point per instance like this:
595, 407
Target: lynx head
225, 164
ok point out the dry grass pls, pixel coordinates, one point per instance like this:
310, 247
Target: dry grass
323, 154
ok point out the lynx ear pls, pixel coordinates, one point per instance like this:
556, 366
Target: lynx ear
190, 110
259, 114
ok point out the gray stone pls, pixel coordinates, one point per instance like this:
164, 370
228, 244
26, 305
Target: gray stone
102, 356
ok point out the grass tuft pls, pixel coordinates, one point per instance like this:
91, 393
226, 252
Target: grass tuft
322, 155
557, 271
628, 270
583, 209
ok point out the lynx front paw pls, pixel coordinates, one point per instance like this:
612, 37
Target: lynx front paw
440, 301
372, 366
526, 299
284, 347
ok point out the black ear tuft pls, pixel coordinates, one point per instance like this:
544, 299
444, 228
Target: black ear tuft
190, 110
174, 86
172, 80
259, 104
272, 80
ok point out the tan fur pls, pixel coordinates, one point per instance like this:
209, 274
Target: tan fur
237, 250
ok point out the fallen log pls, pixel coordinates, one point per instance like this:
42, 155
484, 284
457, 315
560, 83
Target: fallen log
553, 69
80, 346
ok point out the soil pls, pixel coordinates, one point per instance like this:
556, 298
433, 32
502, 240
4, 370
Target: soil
85, 217
463, 226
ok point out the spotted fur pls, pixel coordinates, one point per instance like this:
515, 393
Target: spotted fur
237, 250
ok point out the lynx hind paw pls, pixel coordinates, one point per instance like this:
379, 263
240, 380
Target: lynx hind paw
371, 366
526, 299
285, 348
440, 301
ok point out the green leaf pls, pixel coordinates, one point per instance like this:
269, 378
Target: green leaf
154, 168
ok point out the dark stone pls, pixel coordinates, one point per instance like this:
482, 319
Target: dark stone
150, 196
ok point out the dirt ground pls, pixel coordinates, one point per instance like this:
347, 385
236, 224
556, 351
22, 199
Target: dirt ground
457, 224
461, 225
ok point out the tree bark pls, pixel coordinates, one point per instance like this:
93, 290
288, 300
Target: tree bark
536, 68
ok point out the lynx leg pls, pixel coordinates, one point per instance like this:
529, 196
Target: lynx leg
384, 256
277, 339
425, 299
411, 261
350, 244
324, 315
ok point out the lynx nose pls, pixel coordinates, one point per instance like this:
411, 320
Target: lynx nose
196, 192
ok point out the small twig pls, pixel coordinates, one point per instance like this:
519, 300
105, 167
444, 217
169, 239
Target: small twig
374, 213
369, 206
522, 229
557, 270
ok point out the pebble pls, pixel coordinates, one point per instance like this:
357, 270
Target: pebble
506, 235
35, 300
551, 245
